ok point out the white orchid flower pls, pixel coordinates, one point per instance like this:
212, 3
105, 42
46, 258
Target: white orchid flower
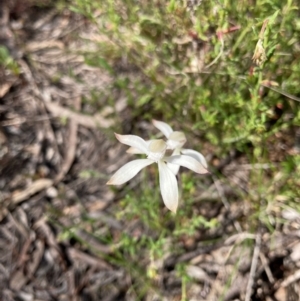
155, 151
176, 140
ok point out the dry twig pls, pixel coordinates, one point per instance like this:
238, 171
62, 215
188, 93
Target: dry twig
253, 267
91, 122
71, 146
34, 188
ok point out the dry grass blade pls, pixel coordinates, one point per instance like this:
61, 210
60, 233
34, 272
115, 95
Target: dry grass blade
288, 95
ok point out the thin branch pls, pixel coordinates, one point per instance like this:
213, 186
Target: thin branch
266, 267
253, 267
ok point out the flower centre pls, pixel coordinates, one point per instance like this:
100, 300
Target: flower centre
157, 149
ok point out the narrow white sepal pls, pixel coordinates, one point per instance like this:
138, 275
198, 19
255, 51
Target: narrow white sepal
133, 141
163, 127
196, 155
168, 186
128, 171
188, 162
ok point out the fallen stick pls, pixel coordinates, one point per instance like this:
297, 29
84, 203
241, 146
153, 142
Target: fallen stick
92, 122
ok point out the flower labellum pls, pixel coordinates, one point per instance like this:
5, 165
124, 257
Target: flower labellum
157, 149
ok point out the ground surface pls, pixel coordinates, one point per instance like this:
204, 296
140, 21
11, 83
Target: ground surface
62, 231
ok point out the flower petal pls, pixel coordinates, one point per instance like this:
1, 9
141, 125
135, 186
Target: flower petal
136, 151
188, 162
128, 171
163, 127
133, 150
134, 141
174, 167
168, 186
176, 140
196, 155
